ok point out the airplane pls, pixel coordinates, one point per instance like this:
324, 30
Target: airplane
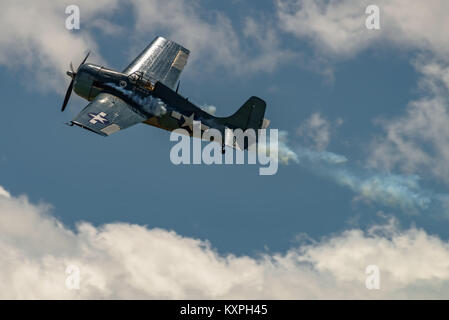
144, 92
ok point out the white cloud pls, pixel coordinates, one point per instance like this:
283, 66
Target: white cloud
35, 41
338, 27
121, 260
210, 35
419, 140
4, 193
317, 130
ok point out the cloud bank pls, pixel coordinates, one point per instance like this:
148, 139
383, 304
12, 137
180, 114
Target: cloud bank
120, 260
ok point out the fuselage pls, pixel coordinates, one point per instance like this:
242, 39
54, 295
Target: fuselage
160, 105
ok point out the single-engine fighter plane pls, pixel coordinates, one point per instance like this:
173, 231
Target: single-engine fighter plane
145, 93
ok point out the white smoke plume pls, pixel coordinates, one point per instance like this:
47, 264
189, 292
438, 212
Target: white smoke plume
392, 190
209, 108
151, 104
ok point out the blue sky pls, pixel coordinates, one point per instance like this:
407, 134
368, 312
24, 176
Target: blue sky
128, 177
362, 89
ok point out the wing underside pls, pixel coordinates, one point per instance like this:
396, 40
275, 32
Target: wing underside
107, 114
163, 60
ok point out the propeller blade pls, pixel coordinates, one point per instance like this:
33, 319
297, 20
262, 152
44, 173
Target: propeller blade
177, 88
67, 95
84, 60
70, 88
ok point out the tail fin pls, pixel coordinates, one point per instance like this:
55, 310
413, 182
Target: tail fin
250, 115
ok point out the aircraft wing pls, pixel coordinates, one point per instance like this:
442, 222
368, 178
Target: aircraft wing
163, 60
107, 114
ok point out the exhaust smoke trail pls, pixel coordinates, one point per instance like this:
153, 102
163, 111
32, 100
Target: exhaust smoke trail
393, 190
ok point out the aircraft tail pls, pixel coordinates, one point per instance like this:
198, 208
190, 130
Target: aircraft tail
249, 116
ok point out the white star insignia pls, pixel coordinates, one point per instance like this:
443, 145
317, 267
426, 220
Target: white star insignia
188, 121
100, 117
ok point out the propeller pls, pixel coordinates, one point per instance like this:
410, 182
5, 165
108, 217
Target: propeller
72, 74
